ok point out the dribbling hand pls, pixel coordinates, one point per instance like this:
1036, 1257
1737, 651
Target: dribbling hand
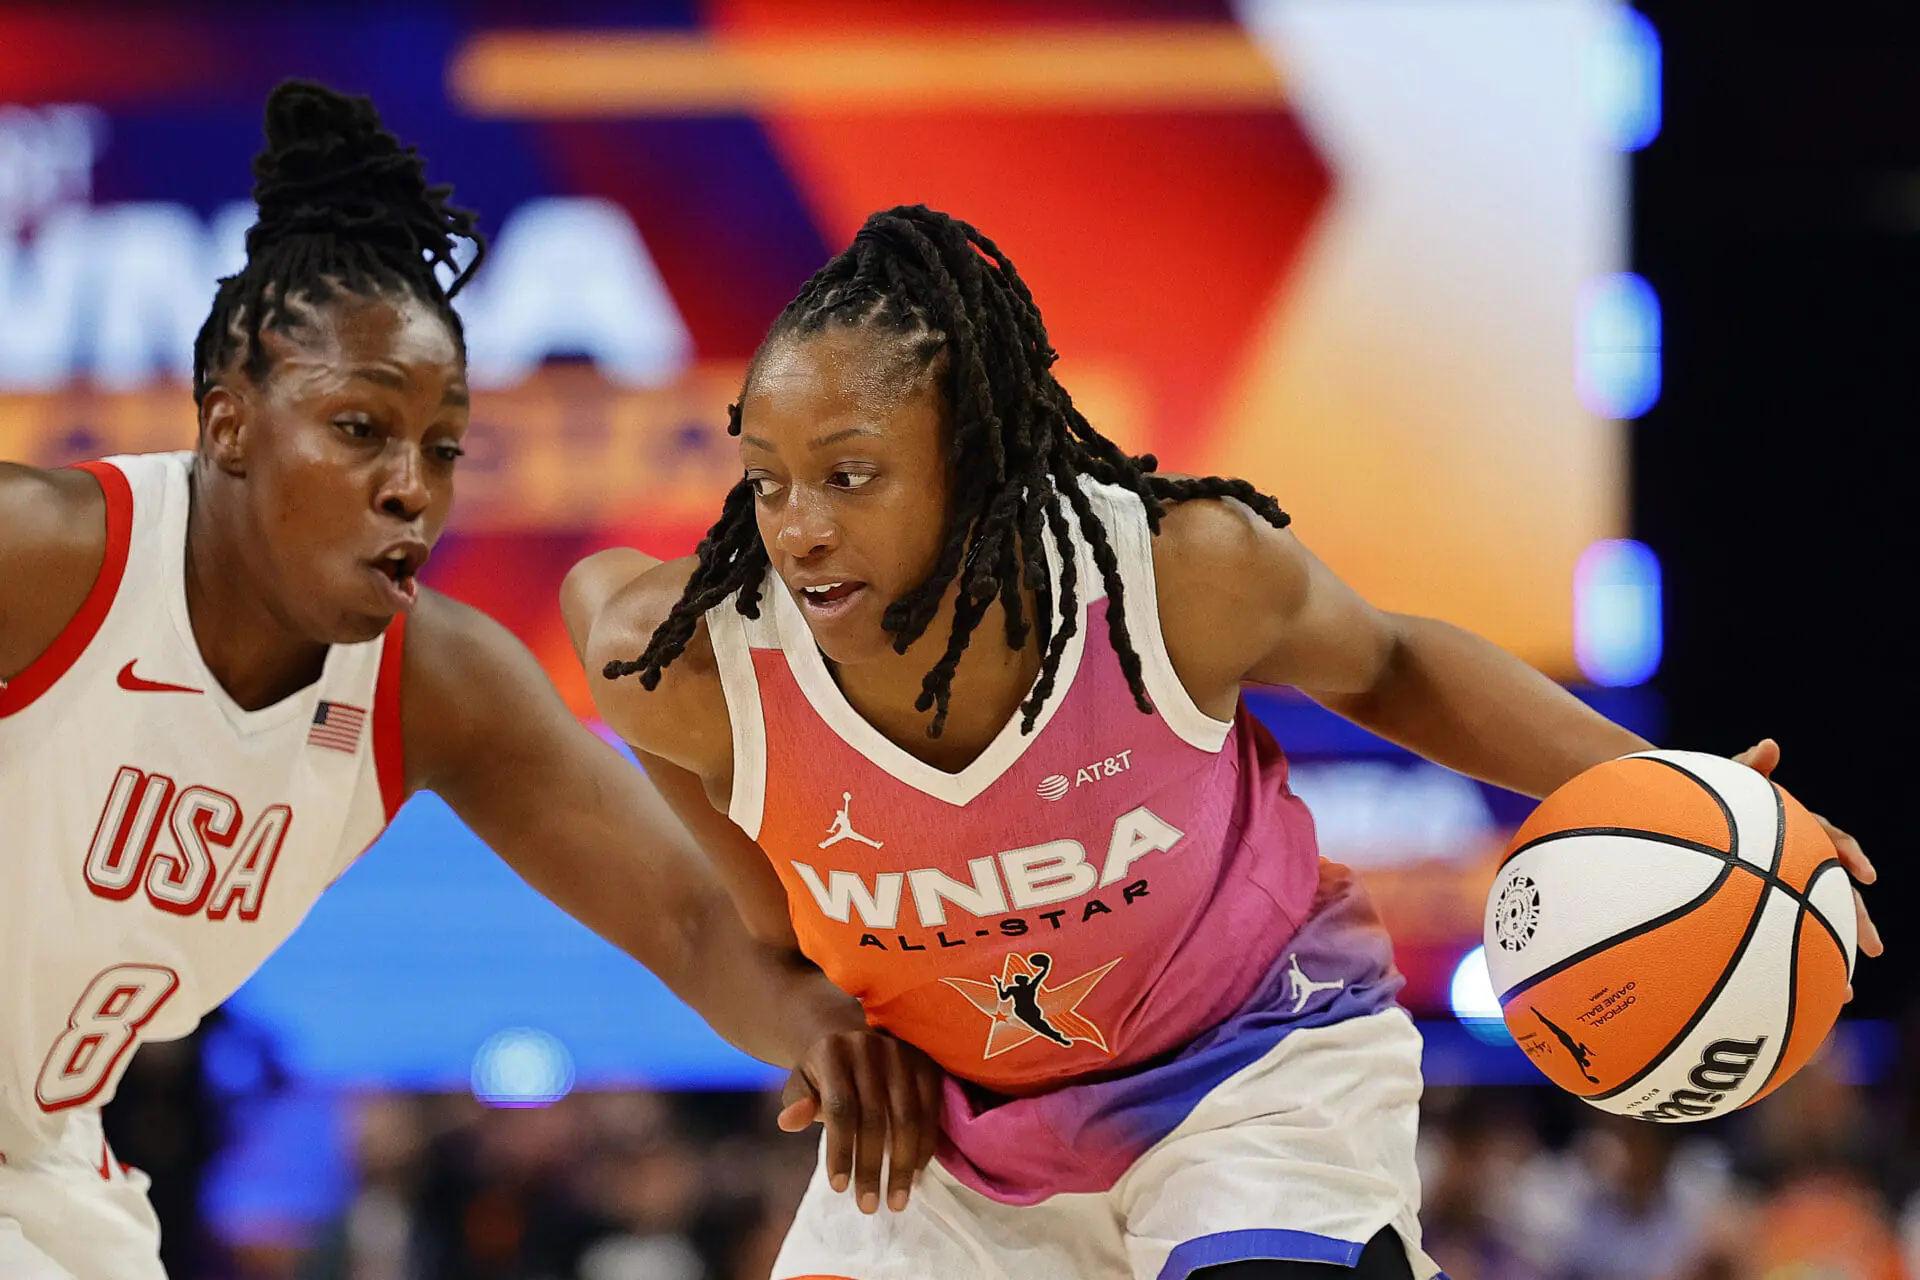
1763, 757
877, 1096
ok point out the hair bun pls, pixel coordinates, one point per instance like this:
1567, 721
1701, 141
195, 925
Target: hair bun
331, 167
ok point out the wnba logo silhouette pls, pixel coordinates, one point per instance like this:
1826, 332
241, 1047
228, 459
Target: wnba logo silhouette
842, 828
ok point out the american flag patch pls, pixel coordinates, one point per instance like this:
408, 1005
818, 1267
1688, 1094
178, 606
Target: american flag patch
336, 726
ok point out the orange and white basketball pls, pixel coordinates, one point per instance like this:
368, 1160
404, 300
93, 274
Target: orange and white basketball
1670, 936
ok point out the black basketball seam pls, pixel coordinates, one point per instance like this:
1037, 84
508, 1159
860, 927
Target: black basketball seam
1733, 837
1681, 842
1793, 997
1611, 940
1819, 917
1768, 880
1661, 836
1728, 865
1719, 801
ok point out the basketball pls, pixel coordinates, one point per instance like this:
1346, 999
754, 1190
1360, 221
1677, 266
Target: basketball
1670, 935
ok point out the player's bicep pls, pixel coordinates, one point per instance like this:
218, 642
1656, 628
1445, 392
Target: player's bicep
583, 826
742, 864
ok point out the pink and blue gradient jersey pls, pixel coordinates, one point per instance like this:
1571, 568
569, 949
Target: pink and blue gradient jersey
1090, 925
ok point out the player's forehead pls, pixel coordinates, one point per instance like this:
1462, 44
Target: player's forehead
390, 338
841, 375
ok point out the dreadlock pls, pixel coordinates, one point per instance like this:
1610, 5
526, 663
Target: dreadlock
343, 207
1019, 452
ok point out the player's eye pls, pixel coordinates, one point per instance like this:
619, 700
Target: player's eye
356, 426
764, 487
849, 479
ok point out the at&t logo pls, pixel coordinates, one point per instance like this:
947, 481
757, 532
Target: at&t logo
1055, 785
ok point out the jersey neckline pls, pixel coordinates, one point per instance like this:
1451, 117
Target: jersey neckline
959, 788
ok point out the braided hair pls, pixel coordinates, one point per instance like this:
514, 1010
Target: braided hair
344, 206
1019, 452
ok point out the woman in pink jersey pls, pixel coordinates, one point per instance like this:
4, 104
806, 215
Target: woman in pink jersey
1063, 860
240, 631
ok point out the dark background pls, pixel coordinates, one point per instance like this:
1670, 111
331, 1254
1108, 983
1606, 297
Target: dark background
1778, 216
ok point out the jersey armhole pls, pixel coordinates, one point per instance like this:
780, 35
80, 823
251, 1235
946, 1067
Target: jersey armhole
389, 744
23, 690
733, 654
1126, 520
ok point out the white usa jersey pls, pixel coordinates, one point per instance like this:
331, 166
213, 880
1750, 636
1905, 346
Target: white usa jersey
158, 842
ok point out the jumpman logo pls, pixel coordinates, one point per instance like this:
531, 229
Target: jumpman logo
1303, 986
842, 828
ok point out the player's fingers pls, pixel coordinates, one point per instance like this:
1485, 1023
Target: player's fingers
840, 1111
1870, 943
906, 1119
930, 1081
872, 1140
800, 1105
1762, 757
1852, 856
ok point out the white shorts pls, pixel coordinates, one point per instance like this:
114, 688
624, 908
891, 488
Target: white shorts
1304, 1155
75, 1214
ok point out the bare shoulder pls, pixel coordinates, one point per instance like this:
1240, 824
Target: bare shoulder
53, 541
683, 719
465, 681
1227, 582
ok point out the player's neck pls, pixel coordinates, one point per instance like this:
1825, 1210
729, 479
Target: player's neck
255, 654
989, 684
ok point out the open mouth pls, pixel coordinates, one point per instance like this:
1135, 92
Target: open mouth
399, 570
828, 599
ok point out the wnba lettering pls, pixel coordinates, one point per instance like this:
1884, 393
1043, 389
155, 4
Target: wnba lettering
1016, 880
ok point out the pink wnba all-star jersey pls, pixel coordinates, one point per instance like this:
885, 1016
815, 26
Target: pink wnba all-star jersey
1080, 901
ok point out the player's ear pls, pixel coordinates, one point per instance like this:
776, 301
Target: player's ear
224, 415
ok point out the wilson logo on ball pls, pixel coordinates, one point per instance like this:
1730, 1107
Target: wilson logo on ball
1724, 1067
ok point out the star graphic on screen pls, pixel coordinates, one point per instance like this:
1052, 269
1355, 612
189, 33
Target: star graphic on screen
1021, 1007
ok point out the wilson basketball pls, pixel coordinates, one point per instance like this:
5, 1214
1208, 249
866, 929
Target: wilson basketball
1670, 935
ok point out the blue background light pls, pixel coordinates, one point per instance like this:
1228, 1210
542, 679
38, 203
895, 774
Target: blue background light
1617, 627
1617, 359
1623, 80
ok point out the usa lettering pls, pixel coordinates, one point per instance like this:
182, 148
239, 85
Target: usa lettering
166, 841
1104, 768
997, 884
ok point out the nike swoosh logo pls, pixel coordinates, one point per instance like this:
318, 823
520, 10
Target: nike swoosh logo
134, 684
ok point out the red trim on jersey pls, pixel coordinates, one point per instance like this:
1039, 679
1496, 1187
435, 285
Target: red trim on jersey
24, 689
389, 752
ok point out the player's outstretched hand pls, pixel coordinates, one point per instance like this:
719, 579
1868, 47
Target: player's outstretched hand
1763, 757
877, 1096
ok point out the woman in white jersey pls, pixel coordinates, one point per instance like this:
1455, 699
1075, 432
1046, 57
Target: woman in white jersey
1170, 1026
219, 678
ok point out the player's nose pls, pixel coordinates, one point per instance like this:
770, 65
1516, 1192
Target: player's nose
807, 527
402, 491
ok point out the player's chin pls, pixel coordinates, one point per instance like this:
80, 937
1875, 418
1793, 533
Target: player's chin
354, 617
852, 637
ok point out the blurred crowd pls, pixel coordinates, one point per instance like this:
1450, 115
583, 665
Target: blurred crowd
1821, 1182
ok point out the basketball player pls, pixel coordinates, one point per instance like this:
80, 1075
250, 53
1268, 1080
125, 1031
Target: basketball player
1083, 885
222, 678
